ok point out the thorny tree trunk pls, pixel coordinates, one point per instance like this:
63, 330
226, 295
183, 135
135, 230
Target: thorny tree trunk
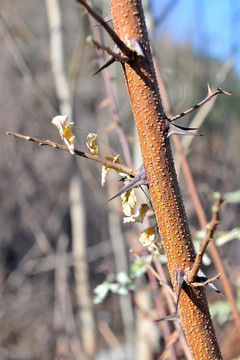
164, 190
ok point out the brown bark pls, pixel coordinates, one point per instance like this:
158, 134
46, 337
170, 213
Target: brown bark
164, 190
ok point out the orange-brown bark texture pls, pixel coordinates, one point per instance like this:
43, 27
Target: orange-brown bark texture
129, 24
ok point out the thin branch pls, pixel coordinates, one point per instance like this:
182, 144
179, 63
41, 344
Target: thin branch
201, 103
211, 227
208, 281
111, 52
124, 48
149, 267
114, 166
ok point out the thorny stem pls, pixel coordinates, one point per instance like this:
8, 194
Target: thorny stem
211, 227
114, 166
201, 103
124, 48
150, 119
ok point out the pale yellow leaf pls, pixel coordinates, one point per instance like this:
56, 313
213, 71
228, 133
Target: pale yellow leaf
90, 142
149, 238
64, 128
138, 217
106, 168
60, 122
128, 202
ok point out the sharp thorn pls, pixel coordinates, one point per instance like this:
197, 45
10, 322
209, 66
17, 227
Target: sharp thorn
140, 179
180, 130
109, 62
173, 317
201, 277
180, 275
137, 46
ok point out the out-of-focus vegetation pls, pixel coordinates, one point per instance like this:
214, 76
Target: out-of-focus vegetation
39, 317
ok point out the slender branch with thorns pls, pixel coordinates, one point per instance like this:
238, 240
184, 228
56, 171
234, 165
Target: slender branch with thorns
211, 227
201, 103
114, 166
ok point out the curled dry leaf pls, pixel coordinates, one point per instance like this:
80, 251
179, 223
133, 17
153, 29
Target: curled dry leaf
128, 202
138, 217
64, 128
90, 142
106, 169
149, 238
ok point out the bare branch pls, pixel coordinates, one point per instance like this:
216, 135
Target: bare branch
114, 166
124, 48
211, 227
201, 103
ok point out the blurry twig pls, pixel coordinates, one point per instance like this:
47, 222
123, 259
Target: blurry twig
149, 267
110, 338
115, 166
24, 69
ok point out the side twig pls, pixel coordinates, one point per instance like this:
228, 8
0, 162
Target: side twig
208, 281
114, 166
211, 227
201, 103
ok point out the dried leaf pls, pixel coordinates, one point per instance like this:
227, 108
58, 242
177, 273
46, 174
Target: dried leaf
128, 202
138, 217
64, 128
149, 239
90, 142
147, 236
106, 169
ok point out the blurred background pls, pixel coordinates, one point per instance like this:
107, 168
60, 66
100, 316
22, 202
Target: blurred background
60, 237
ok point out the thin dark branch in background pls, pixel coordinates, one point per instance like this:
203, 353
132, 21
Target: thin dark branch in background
24, 69
165, 12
